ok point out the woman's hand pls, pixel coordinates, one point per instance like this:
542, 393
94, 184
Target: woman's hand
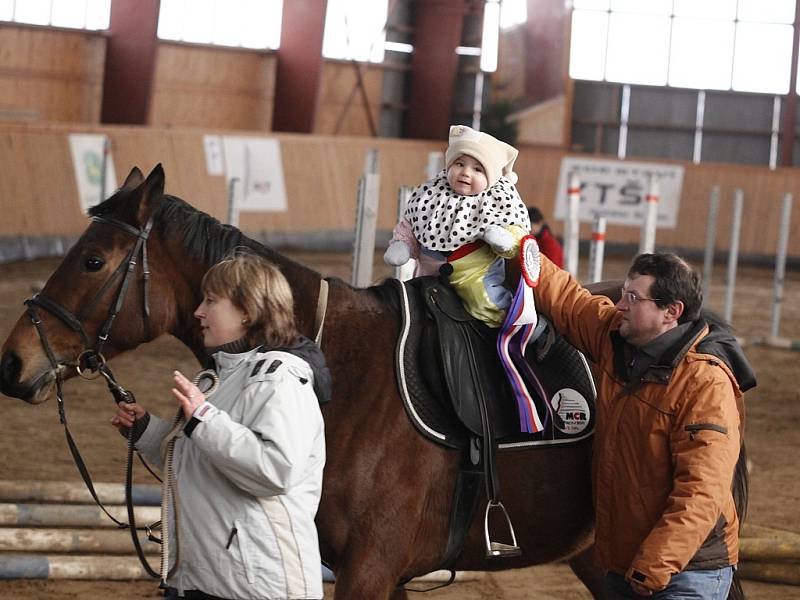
127, 414
188, 394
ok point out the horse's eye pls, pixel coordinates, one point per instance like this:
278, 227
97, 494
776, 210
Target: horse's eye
93, 264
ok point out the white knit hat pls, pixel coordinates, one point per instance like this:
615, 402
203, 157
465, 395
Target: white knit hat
496, 157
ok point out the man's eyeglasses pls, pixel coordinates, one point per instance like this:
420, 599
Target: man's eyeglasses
633, 298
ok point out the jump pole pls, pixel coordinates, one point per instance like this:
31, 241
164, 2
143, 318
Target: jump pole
73, 541
366, 221
733, 256
571, 225
647, 240
711, 242
75, 492
35, 566
71, 515
597, 249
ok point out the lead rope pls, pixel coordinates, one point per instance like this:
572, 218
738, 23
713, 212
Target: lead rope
168, 500
168, 491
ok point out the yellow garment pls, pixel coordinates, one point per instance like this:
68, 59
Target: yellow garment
482, 268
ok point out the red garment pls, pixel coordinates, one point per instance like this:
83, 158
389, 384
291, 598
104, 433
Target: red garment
549, 246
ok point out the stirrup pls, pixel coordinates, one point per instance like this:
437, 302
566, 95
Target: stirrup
499, 549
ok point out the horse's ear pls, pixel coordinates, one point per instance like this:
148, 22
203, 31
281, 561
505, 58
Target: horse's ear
133, 180
152, 194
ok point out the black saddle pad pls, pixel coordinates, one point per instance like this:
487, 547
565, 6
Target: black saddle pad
430, 375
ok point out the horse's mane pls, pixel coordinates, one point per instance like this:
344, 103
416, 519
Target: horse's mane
203, 236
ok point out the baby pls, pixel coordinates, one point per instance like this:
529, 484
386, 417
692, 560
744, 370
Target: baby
470, 216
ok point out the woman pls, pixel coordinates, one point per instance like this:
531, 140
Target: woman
243, 467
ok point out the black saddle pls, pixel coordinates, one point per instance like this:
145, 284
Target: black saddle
448, 370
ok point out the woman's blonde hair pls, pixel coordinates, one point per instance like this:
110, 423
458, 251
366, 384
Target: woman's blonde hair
257, 287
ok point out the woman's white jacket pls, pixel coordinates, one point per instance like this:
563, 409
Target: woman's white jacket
248, 479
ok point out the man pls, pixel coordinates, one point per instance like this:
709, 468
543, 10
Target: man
669, 424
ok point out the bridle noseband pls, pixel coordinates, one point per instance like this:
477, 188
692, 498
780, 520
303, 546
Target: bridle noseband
90, 362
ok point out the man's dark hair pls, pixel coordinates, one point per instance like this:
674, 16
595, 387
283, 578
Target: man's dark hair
674, 280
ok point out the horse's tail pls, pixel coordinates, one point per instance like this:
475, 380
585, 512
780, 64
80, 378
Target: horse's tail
741, 487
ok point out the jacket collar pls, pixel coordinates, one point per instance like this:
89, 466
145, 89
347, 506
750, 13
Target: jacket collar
661, 371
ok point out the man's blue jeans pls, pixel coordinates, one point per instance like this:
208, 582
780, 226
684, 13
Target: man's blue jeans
689, 585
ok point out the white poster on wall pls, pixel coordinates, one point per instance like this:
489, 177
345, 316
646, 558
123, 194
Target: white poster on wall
213, 149
91, 156
616, 189
254, 171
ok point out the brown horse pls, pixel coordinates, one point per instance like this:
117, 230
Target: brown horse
388, 491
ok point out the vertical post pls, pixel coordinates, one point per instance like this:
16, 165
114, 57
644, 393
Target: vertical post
780, 265
233, 210
366, 221
477, 103
104, 169
571, 226
647, 241
435, 164
711, 242
597, 249
733, 256
406, 271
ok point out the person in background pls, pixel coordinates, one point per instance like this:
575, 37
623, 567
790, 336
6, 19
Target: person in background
244, 465
469, 216
548, 244
669, 428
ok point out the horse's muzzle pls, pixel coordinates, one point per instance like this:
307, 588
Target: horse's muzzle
35, 392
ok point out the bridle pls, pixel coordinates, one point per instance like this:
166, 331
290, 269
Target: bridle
90, 362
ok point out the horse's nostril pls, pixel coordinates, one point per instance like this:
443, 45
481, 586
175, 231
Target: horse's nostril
9, 369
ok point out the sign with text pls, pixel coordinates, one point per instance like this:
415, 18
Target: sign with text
254, 167
616, 190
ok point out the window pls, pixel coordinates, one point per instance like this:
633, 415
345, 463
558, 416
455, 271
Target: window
512, 13
355, 30
741, 45
74, 14
240, 23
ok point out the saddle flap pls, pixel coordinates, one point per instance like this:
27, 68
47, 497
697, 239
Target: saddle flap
470, 367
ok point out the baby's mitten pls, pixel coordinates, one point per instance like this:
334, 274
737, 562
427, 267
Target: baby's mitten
498, 238
398, 253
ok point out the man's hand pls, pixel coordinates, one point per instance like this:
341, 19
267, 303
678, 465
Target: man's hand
640, 589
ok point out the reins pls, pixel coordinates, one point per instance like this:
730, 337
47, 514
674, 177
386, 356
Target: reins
91, 361
90, 364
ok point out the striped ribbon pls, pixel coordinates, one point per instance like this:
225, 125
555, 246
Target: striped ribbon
513, 338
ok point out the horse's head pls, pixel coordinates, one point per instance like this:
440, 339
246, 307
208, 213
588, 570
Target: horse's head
97, 300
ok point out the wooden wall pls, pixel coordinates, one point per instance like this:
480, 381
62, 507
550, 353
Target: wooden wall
340, 107
55, 75
50, 74
213, 87
38, 193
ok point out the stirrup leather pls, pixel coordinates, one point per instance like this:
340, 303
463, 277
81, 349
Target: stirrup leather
499, 549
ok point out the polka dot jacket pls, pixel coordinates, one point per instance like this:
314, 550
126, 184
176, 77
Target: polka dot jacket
443, 220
